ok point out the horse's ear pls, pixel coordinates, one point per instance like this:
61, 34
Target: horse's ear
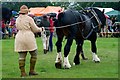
60, 15
103, 11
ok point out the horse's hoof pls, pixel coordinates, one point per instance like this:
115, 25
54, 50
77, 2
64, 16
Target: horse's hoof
95, 58
66, 67
75, 64
97, 61
58, 65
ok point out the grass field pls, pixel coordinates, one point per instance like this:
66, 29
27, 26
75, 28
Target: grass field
107, 52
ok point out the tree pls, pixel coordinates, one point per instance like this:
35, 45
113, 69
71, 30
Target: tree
78, 5
117, 6
16, 5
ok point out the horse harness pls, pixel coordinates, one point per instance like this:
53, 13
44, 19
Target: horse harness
91, 10
93, 27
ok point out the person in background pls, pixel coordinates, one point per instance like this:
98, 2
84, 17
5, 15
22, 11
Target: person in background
12, 26
45, 35
25, 40
113, 23
109, 24
51, 33
3, 29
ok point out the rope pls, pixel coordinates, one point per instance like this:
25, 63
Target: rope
71, 24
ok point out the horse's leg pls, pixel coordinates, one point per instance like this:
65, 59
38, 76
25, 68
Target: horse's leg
83, 56
95, 57
67, 47
93, 48
58, 61
79, 44
79, 50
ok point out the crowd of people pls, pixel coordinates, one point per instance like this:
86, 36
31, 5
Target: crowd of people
9, 28
111, 27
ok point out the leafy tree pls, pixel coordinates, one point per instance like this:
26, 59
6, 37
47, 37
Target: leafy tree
78, 5
16, 5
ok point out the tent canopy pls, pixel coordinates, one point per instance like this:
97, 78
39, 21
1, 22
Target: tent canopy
105, 9
113, 12
51, 9
39, 11
36, 11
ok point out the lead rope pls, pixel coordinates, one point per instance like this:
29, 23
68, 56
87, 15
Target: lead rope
70, 24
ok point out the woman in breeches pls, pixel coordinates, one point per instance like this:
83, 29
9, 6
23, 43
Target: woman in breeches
25, 40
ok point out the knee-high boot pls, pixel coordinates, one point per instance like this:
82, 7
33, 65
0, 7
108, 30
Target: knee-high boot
22, 67
32, 66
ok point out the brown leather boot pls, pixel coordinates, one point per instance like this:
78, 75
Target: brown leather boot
23, 74
22, 67
32, 66
33, 73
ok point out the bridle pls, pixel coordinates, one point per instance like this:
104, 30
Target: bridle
92, 11
96, 18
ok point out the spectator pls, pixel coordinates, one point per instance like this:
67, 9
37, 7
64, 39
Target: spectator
51, 33
109, 24
3, 29
12, 27
113, 23
45, 35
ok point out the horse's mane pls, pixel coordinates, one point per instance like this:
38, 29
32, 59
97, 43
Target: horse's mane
101, 16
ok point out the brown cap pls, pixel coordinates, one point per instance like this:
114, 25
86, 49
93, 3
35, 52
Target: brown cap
24, 9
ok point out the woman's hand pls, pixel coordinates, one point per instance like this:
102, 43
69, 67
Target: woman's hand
43, 29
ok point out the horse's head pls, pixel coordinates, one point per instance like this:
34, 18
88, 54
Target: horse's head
6, 14
38, 21
97, 17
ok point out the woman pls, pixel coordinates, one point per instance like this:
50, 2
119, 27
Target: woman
51, 33
25, 40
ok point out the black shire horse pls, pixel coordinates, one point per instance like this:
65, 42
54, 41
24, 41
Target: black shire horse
78, 25
6, 14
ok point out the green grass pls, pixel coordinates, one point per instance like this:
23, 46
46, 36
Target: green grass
107, 52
